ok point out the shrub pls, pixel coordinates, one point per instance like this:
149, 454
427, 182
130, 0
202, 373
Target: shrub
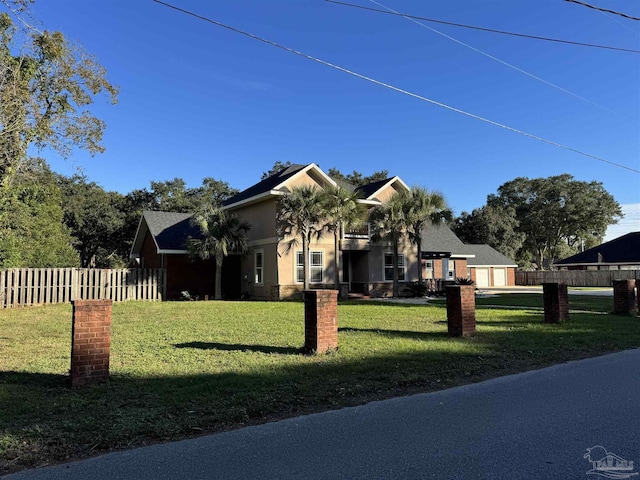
416, 289
464, 281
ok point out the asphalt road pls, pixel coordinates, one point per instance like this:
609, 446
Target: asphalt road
535, 425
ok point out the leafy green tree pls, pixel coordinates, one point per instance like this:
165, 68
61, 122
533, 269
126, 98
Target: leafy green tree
300, 215
95, 221
388, 223
342, 211
357, 178
45, 86
423, 208
222, 233
496, 226
556, 210
31, 230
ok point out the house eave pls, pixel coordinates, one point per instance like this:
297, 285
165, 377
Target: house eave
254, 199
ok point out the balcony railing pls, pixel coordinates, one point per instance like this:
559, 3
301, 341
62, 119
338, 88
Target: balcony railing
360, 232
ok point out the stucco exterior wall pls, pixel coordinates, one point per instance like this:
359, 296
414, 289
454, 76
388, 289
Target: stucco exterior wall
262, 218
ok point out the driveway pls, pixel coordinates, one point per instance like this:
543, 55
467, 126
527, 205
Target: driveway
537, 424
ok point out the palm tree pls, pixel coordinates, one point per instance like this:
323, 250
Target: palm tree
222, 233
424, 208
388, 222
342, 211
299, 215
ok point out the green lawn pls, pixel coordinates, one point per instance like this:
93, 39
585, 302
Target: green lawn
595, 303
183, 369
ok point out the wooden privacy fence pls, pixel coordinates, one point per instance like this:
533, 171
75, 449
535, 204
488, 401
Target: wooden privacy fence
576, 278
37, 286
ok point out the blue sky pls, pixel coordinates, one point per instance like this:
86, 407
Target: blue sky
197, 100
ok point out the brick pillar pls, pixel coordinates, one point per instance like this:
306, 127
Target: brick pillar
624, 296
320, 320
90, 341
556, 302
461, 310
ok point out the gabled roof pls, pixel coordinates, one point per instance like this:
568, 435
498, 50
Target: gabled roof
621, 250
440, 239
169, 231
487, 256
369, 191
273, 185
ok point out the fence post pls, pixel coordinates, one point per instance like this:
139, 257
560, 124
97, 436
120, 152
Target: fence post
556, 302
624, 296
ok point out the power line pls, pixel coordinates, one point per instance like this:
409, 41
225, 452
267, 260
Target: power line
506, 64
391, 87
603, 9
503, 32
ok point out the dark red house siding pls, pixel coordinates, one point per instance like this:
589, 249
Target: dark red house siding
196, 277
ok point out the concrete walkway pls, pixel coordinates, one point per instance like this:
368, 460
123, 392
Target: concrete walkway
537, 424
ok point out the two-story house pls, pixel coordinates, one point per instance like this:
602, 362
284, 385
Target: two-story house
271, 271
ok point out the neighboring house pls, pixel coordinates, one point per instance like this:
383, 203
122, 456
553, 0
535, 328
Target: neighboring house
490, 268
622, 253
161, 242
271, 271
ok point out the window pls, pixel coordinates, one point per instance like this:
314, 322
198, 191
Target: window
316, 266
428, 268
388, 267
449, 268
258, 266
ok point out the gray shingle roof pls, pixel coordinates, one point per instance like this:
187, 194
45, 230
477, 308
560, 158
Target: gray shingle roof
621, 250
487, 255
170, 230
440, 238
265, 185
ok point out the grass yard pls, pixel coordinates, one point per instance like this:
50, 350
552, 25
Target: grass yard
184, 369
592, 303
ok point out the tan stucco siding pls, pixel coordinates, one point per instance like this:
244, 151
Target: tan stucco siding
286, 260
308, 179
269, 271
386, 193
376, 260
262, 218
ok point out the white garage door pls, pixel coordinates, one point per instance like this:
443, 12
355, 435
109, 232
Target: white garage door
482, 277
499, 277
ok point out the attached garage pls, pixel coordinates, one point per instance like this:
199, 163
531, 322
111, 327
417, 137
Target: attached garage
482, 277
489, 268
499, 277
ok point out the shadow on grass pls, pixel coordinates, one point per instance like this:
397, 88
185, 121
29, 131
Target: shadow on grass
240, 348
397, 333
43, 421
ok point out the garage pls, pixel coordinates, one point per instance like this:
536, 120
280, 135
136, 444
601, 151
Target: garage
499, 277
482, 277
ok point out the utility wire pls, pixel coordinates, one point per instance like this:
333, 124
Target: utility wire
534, 37
603, 9
507, 64
390, 87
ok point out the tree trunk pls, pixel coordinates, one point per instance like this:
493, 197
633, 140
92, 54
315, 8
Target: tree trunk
218, 291
305, 262
419, 244
395, 267
336, 258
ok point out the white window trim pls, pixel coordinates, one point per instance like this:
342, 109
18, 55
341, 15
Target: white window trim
256, 267
404, 267
295, 266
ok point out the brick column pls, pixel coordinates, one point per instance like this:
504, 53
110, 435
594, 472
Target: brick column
320, 320
90, 341
624, 296
556, 302
461, 310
